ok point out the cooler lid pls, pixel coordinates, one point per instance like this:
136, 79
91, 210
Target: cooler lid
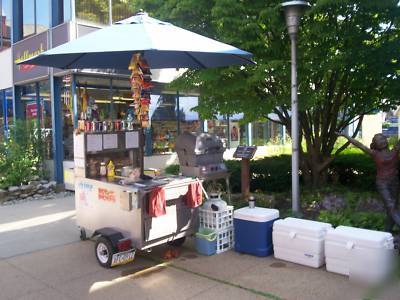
307, 227
352, 236
256, 214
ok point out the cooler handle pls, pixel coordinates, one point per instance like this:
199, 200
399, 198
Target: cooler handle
292, 234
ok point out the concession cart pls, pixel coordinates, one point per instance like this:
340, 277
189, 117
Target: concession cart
127, 210
120, 211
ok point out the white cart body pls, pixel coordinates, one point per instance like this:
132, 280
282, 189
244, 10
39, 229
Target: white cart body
104, 203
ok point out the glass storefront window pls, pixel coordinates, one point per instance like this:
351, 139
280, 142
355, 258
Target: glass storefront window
95, 11
10, 107
267, 132
163, 115
45, 122
68, 120
111, 104
244, 131
28, 99
5, 28
189, 119
42, 15
35, 16
67, 13
260, 134
41, 112
28, 17
2, 109
220, 129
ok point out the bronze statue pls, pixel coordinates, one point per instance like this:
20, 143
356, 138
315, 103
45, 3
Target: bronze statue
387, 175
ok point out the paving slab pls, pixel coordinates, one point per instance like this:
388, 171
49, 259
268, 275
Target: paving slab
293, 281
157, 282
36, 225
59, 264
224, 266
45, 294
15, 283
224, 292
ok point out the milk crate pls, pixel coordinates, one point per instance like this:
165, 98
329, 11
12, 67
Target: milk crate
225, 240
216, 220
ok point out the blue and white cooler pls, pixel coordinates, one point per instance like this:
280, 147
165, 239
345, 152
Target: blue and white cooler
253, 230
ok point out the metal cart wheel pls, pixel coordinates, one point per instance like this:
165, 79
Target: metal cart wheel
82, 234
103, 250
178, 242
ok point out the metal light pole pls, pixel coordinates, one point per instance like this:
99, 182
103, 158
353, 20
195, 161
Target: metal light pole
293, 12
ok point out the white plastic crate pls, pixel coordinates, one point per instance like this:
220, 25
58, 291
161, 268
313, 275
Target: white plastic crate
216, 220
225, 240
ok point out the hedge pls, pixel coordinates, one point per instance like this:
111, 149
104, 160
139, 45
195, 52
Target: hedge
273, 174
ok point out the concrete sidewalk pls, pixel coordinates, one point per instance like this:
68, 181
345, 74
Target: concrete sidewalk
56, 265
36, 225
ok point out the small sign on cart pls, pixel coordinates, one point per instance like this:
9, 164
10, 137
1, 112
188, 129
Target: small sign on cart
245, 152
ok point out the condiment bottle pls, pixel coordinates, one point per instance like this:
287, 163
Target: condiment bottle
103, 169
110, 169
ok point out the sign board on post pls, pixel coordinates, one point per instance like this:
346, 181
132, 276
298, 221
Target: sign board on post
245, 153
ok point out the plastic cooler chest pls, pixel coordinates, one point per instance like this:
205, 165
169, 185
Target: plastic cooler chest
300, 241
253, 230
360, 253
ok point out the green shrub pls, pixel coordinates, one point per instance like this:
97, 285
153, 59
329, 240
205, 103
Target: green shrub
354, 168
367, 220
273, 174
270, 174
21, 155
172, 170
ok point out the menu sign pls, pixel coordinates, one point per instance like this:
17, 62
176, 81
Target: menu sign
245, 152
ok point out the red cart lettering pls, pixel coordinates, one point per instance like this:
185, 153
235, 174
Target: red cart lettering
106, 195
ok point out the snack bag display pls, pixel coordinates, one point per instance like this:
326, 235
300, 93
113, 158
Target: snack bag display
141, 85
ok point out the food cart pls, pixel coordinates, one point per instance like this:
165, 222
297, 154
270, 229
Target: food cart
115, 209
132, 213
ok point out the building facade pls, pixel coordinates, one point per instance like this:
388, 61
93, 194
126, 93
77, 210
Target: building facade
52, 98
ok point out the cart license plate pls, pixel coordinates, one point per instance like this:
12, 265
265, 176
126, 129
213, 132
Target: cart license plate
123, 257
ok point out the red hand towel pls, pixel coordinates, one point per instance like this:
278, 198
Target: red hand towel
194, 195
157, 203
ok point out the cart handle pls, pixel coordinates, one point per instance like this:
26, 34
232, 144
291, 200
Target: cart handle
202, 187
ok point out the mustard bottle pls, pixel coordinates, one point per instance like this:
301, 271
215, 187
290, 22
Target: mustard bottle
110, 169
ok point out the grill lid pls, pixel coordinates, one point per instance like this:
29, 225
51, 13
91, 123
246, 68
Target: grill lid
202, 143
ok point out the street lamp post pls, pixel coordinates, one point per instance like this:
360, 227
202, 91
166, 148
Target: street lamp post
293, 12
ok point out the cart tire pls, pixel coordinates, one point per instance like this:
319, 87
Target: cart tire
103, 250
178, 242
82, 234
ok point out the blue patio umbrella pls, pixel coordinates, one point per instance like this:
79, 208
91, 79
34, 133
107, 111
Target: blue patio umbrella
162, 44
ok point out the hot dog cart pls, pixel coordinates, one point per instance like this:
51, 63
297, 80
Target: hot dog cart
123, 213
116, 209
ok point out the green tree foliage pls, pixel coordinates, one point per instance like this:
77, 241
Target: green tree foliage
348, 65
21, 155
93, 10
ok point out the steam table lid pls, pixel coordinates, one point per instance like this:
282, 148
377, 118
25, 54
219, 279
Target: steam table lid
256, 214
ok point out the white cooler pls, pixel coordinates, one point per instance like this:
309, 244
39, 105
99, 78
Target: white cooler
364, 255
300, 241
